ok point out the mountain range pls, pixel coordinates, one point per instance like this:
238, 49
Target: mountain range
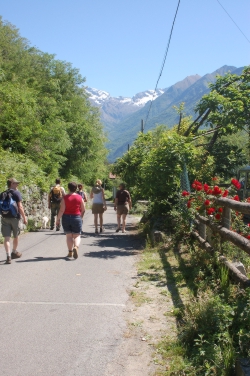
121, 116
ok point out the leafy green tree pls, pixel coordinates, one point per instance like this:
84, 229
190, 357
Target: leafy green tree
45, 112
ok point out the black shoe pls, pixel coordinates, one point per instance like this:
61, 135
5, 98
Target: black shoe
58, 228
101, 229
51, 228
117, 230
8, 261
15, 255
96, 231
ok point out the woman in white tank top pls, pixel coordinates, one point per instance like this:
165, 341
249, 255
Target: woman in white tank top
98, 204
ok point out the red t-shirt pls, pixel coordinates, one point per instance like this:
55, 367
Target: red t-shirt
72, 204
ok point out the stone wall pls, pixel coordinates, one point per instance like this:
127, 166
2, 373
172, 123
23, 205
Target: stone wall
35, 204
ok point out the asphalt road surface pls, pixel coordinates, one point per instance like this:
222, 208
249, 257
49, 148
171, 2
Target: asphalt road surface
60, 316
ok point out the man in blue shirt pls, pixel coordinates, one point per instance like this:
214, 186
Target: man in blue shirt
10, 223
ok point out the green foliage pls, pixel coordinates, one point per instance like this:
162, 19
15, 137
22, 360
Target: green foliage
45, 113
228, 103
23, 169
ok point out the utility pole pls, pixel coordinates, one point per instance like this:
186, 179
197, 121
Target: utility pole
142, 126
128, 147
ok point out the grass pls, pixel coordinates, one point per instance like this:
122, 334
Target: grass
212, 314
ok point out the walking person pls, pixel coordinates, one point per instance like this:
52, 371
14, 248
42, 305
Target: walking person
98, 204
71, 211
81, 192
122, 205
11, 209
54, 201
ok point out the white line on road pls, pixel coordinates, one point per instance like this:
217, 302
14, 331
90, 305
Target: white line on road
64, 303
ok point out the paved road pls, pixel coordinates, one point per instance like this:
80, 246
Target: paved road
61, 317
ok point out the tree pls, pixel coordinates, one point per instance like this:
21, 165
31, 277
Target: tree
45, 112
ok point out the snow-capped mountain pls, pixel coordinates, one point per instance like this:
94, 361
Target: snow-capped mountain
116, 109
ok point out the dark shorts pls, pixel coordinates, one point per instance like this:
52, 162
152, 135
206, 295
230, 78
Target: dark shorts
122, 209
9, 225
72, 224
97, 209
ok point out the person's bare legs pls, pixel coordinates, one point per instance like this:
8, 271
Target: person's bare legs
124, 222
76, 241
118, 222
96, 221
101, 219
70, 242
73, 242
7, 245
15, 243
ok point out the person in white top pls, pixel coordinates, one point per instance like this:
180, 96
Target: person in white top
98, 204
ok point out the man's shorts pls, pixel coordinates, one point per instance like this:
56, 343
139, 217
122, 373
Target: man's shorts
72, 224
122, 209
9, 225
97, 209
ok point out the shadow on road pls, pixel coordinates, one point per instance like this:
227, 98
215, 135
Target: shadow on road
113, 244
35, 259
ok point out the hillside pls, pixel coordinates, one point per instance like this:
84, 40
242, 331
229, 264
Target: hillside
190, 90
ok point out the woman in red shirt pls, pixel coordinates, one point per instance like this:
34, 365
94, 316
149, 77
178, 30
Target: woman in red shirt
71, 211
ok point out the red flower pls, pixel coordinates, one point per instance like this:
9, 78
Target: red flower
206, 187
217, 216
236, 183
210, 211
210, 191
185, 193
248, 225
207, 202
215, 178
216, 191
220, 210
248, 236
197, 185
236, 198
225, 193
189, 204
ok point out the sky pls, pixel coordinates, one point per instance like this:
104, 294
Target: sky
119, 46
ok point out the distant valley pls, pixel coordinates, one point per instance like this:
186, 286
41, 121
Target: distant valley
122, 116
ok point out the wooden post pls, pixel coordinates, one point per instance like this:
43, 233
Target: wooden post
226, 217
142, 126
202, 230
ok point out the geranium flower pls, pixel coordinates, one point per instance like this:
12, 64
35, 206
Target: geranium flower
206, 187
210, 211
220, 210
225, 193
197, 185
206, 202
248, 236
185, 193
236, 183
218, 216
216, 191
236, 198
214, 178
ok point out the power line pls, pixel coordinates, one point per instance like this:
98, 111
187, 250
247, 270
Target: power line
164, 60
233, 21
